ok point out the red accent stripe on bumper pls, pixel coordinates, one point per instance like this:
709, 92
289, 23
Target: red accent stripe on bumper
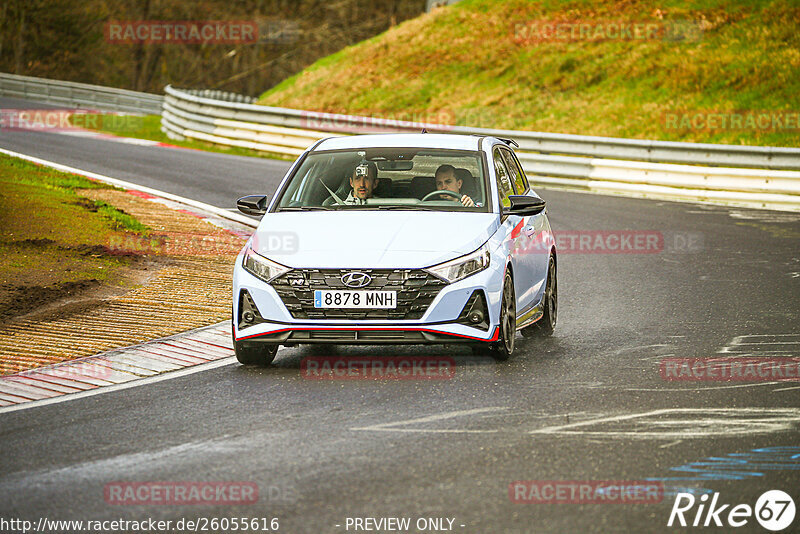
494, 337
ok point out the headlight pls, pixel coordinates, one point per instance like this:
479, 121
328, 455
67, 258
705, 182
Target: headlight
459, 268
259, 266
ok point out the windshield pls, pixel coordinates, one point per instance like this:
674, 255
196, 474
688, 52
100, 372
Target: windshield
388, 178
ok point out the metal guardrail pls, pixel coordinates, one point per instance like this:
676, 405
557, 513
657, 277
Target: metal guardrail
79, 95
758, 157
225, 96
750, 176
742, 175
764, 177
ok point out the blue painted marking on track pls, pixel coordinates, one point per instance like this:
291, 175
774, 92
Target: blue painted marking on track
734, 466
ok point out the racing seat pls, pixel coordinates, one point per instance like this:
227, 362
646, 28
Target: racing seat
422, 185
468, 184
384, 188
342, 191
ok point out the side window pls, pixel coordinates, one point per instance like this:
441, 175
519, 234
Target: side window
517, 174
503, 181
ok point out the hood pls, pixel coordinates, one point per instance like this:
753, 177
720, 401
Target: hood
370, 239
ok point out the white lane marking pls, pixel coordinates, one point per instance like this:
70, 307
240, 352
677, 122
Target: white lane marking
762, 345
765, 217
639, 347
109, 137
565, 384
684, 423
786, 389
668, 445
388, 427
673, 390
769, 343
134, 141
220, 212
757, 353
650, 358
124, 385
767, 335
664, 424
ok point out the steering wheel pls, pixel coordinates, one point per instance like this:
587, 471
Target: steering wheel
432, 194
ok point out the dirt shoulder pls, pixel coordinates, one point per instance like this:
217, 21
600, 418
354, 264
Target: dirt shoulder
87, 268
52, 239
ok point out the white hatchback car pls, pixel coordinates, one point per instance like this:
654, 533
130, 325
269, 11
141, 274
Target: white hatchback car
393, 239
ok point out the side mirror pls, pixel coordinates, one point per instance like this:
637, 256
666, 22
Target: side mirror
524, 205
252, 204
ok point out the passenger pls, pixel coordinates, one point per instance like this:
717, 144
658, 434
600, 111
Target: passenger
364, 180
446, 180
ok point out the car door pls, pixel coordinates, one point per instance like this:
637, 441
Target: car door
514, 225
531, 254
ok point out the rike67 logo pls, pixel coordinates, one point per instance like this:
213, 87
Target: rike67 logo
774, 510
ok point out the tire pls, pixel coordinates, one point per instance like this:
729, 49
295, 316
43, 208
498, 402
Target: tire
547, 324
503, 348
254, 353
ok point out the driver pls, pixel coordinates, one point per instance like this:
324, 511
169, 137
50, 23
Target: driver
446, 180
364, 180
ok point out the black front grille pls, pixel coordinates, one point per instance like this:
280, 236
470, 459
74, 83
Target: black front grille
357, 336
415, 288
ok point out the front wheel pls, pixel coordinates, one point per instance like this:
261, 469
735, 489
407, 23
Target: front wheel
254, 353
547, 324
503, 348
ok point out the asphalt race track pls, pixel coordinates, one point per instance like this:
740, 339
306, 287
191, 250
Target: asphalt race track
214, 178
587, 404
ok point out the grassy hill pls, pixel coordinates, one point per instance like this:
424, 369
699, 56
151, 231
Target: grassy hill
501, 64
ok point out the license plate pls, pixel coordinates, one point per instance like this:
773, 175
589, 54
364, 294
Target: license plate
355, 299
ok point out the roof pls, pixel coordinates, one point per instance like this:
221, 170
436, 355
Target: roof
447, 141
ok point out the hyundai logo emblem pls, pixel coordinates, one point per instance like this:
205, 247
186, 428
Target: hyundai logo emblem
356, 279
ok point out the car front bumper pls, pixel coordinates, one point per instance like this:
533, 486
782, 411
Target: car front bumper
439, 323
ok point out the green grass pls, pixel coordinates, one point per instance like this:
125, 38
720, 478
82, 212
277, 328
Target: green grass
149, 127
120, 220
49, 234
463, 64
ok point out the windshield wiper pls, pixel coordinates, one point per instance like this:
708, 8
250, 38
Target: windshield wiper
402, 207
305, 208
